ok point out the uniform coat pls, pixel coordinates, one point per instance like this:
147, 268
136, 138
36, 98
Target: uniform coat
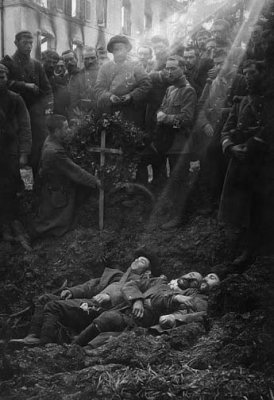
15, 140
248, 192
60, 180
24, 70
122, 79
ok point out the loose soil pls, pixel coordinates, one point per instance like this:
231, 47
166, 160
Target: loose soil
229, 356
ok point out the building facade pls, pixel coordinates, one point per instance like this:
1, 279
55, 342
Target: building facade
72, 24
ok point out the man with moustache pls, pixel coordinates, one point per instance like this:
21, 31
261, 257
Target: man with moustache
28, 78
87, 78
173, 140
152, 301
73, 83
122, 85
51, 63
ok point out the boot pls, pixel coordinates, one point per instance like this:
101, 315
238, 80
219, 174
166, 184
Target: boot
29, 340
86, 335
172, 224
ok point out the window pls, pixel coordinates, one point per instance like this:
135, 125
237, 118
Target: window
60, 5
43, 3
78, 8
126, 20
101, 12
88, 11
45, 42
68, 7
75, 9
148, 15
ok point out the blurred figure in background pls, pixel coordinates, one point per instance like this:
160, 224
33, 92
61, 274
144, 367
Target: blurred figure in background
15, 147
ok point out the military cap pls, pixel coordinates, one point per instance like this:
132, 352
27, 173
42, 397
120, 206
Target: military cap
55, 121
3, 68
202, 32
21, 34
49, 54
118, 39
221, 22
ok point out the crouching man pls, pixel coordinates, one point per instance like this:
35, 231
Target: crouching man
60, 179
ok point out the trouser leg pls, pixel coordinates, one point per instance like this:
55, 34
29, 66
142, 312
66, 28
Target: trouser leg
63, 312
179, 188
38, 315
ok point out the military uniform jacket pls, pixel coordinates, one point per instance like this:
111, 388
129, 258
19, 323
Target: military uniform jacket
24, 70
15, 129
60, 178
122, 79
157, 294
179, 104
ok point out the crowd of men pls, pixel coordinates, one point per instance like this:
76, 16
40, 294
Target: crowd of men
209, 101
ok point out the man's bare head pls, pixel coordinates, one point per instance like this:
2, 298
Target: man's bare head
209, 282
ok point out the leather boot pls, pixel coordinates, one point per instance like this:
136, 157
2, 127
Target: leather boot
86, 335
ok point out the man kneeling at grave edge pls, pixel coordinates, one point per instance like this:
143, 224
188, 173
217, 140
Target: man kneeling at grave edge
61, 180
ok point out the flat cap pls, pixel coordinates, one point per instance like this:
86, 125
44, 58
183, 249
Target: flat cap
50, 54
202, 32
3, 68
20, 34
221, 22
118, 39
55, 121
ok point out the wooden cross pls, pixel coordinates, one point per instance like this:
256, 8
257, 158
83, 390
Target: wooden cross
103, 150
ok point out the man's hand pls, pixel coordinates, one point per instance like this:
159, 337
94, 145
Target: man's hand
209, 131
98, 184
32, 87
138, 309
183, 300
126, 98
66, 294
212, 73
23, 160
239, 151
161, 116
115, 99
167, 321
101, 298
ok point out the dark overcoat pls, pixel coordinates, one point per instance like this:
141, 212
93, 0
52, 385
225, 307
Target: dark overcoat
248, 191
121, 79
60, 180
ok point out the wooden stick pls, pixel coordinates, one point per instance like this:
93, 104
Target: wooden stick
101, 191
99, 150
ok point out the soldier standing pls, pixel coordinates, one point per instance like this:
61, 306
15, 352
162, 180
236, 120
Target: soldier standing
15, 146
28, 78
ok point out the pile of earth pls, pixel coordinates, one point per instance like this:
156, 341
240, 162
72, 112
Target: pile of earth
228, 356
